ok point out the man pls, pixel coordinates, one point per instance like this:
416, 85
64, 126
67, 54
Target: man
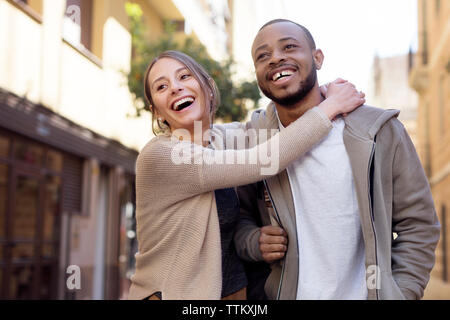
357, 209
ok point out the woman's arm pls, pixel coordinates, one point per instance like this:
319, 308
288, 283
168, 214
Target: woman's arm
191, 169
323, 91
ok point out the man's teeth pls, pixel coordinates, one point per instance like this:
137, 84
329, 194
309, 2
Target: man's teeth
177, 104
283, 73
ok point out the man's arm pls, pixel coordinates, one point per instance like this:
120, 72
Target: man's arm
255, 241
414, 220
247, 232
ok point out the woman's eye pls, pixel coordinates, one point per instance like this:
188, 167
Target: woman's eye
185, 76
161, 87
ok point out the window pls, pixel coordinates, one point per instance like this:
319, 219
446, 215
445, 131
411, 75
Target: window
4, 147
31, 185
29, 153
78, 23
127, 234
3, 199
54, 161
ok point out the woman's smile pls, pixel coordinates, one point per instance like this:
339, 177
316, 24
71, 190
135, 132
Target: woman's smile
183, 104
177, 95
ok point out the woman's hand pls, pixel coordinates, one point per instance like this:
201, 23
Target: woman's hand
341, 98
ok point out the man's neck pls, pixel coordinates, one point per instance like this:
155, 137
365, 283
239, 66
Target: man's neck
288, 114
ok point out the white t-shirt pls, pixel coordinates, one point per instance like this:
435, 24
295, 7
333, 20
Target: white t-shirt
331, 246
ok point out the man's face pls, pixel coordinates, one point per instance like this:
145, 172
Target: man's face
285, 63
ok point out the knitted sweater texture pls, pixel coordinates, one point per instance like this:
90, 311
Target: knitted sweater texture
179, 247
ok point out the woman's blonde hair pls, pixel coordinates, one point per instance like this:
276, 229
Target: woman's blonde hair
206, 82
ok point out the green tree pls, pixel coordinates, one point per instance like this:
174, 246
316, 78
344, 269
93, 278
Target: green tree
233, 97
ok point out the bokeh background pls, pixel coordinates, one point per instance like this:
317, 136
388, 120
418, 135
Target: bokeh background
72, 117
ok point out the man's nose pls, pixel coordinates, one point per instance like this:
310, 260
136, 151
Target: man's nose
277, 57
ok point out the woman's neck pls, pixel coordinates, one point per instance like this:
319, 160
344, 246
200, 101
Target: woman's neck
199, 134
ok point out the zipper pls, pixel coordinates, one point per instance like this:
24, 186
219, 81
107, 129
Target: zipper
273, 204
372, 218
279, 222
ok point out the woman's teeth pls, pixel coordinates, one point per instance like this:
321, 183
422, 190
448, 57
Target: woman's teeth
177, 105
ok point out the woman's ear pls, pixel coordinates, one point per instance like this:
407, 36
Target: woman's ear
155, 111
318, 58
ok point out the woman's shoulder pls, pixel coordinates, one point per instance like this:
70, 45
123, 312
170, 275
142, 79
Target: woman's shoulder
155, 146
156, 142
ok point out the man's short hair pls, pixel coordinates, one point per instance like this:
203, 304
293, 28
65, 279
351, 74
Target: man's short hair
310, 38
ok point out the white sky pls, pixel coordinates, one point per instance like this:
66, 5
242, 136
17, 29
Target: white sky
350, 32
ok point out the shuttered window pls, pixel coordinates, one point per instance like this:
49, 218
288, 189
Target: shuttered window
72, 177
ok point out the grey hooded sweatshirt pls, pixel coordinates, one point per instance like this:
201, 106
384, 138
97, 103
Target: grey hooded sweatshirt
393, 197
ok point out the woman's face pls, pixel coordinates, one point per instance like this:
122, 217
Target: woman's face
177, 96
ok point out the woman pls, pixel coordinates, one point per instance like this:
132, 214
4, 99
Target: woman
178, 171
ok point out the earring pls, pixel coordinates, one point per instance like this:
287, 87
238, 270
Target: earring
161, 123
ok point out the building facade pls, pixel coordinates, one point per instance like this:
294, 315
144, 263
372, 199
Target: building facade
430, 77
209, 21
389, 89
68, 146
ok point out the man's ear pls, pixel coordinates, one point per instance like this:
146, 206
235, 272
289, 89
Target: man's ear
318, 58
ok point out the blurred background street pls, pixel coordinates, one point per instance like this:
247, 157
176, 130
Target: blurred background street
73, 118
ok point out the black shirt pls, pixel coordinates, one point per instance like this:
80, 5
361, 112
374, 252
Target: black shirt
233, 272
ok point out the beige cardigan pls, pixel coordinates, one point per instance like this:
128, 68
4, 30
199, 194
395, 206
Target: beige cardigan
179, 251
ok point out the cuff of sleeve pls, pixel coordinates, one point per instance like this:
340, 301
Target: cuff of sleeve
322, 115
254, 250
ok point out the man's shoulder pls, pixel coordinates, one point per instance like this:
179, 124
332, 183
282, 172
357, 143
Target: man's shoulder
264, 118
367, 120
370, 113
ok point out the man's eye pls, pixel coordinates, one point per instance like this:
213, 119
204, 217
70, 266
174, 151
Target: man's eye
262, 56
290, 46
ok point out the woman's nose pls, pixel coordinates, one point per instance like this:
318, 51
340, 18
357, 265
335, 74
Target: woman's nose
176, 88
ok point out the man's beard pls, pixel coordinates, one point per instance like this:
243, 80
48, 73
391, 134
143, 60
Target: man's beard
303, 89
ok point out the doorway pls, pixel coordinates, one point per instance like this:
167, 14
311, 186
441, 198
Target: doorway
30, 203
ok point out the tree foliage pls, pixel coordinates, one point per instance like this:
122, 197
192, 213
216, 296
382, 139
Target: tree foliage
234, 98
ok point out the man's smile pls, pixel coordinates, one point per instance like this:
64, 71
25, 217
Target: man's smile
282, 74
